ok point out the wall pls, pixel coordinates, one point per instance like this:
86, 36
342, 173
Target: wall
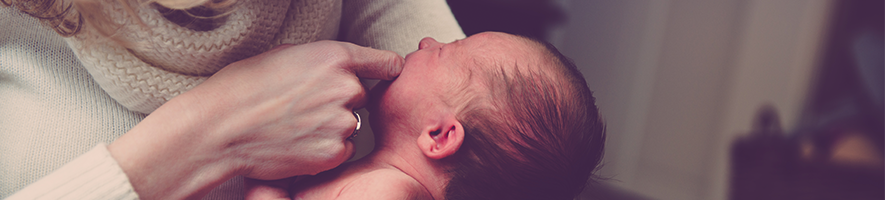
678, 80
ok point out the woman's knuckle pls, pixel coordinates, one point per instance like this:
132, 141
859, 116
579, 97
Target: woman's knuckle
333, 154
354, 89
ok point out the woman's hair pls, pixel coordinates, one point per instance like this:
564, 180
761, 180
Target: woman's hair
57, 14
540, 137
68, 17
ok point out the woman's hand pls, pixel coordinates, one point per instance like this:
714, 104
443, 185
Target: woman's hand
292, 111
282, 113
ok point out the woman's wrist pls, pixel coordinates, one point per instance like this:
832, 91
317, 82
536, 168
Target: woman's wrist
174, 154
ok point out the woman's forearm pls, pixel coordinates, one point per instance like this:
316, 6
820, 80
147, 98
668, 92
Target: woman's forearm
172, 154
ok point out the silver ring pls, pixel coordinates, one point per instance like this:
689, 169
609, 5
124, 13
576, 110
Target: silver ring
358, 123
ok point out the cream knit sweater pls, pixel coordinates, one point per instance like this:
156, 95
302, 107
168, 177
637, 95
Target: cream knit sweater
60, 97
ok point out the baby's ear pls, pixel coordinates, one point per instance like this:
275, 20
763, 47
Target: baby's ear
441, 140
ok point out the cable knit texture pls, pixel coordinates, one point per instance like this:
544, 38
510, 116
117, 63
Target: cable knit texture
60, 97
167, 59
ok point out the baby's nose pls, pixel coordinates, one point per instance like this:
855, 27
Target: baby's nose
427, 42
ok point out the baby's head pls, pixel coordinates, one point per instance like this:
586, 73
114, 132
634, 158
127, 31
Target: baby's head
507, 117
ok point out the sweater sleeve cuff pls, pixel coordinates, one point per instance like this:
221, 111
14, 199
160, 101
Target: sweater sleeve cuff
94, 175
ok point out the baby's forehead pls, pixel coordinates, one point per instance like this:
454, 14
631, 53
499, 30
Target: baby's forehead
488, 57
509, 53
510, 45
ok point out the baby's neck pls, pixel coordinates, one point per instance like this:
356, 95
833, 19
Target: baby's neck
411, 161
395, 171
362, 179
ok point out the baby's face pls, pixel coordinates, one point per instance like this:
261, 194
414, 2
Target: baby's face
435, 76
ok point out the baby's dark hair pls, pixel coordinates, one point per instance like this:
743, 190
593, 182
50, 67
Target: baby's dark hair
540, 135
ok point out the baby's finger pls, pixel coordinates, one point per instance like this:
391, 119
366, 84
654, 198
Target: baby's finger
264, 190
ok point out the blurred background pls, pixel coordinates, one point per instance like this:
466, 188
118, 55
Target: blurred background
726, 99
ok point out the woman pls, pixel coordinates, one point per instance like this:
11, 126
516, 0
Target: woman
56, 109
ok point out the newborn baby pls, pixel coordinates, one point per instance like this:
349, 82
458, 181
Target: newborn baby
492, 116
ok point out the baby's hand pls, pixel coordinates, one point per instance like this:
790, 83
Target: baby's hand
268, 190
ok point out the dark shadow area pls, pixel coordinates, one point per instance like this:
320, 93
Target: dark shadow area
605, 191
836, 150
530, 18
